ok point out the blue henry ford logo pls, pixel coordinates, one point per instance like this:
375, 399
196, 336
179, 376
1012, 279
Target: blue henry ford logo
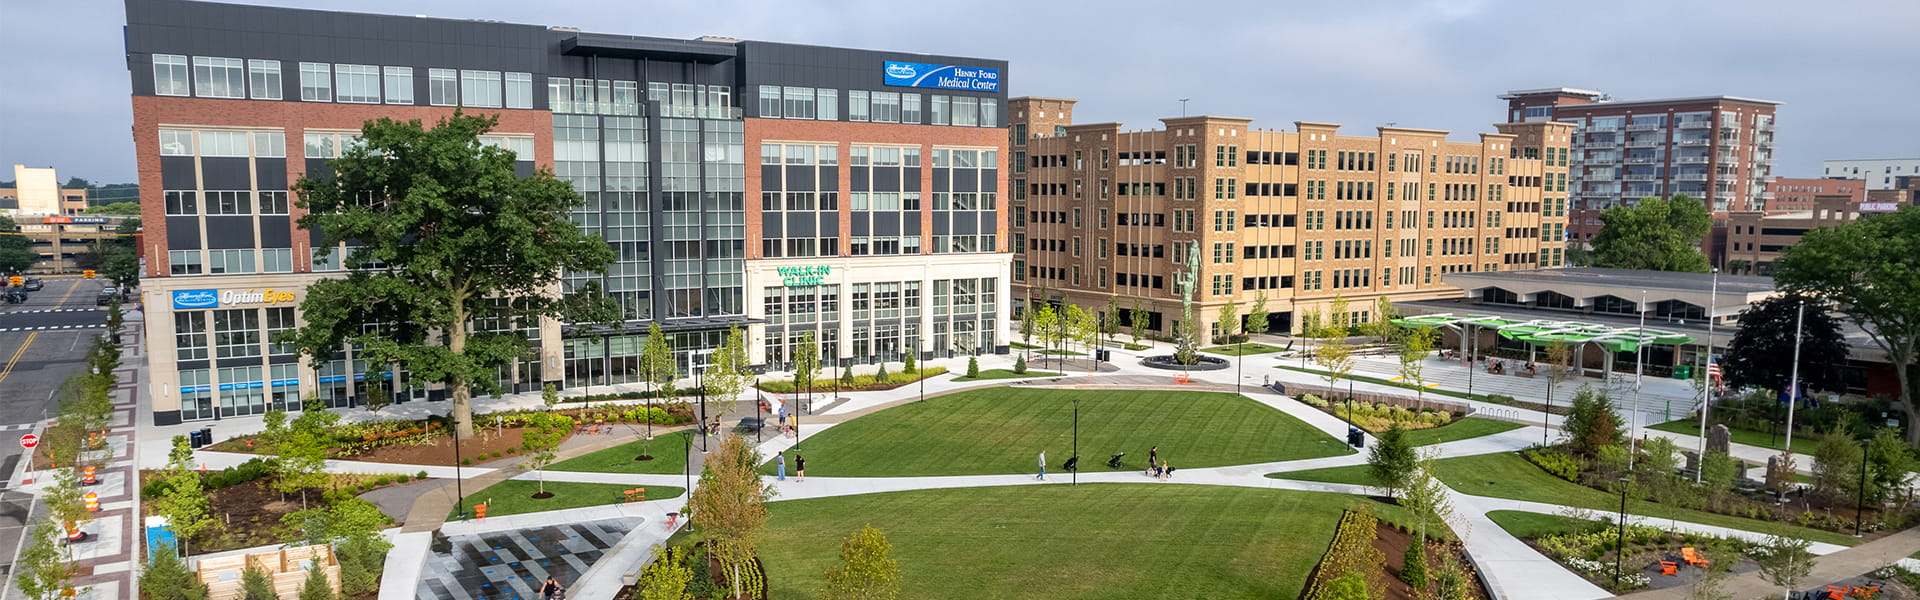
946, 77
195, 298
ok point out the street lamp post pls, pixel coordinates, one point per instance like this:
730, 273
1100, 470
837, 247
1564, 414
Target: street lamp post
459, 494
1706, 399
688, 468
1860, 512
1076, 441
699, 381
1621, 550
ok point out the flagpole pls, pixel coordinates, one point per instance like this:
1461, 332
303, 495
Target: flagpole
1639, 350
1713, 305
1793, 382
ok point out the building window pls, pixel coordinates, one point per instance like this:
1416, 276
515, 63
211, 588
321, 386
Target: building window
224, 143
399, 82
797, 103
443, 87
279, 320
184, 262
229, 203
170, 75
236, 333
264, 75
480, 88
989, 112
176, 142
857, 107
358, 84
827, 104
910, 109
770, 102
316, 82
520, 90
886, 107
938, 108
181, 203
966, 111
276, 260
190, 335
219, 77
230, 262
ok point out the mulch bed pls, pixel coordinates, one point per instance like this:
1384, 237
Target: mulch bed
1392, 542
437, 452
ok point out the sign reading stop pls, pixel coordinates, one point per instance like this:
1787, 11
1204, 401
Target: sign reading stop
29, 440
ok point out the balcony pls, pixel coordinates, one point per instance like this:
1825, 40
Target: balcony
1640, 177
1602, 128
1729, 142
1690, 177
1645, 160
1598, 145
1695, 124
1690, 160
1693, 142
1766, 126
1598, 177
1645, 126
1646, 143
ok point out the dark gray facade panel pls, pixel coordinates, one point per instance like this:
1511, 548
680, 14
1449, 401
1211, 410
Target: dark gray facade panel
862, 222
276, 231
229, 231
990, 180
886, 179
800, 225
886, 223
177, 173
271, 175
912, 184
800, 178
964, 223
942, 222
829, 178
966, 180
317, 168
225, 174
524, 168
192, 365
224, 363
859, 181
989, 223
183, 233
829, 228
770, 178
772, 229
942, 179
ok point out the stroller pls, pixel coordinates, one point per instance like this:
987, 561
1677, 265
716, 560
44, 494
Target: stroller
1072, 464
1114, 463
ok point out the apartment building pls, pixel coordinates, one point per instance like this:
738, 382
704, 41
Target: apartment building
776, 187
1879, 173
1716, 148
1755, 239
1792, 194
1303, 216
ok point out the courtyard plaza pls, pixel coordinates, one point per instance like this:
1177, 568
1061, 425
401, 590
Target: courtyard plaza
1511, 568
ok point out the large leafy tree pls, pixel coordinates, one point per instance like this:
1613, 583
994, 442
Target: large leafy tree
14, 255
1871, 269
1658, 234
1761, 353
729, 506
445, 233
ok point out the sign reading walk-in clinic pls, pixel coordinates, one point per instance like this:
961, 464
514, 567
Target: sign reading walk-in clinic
946, 77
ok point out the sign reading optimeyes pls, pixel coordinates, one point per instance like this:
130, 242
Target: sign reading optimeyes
803, 276
946, 77
190, 299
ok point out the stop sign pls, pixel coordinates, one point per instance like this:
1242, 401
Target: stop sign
29, 440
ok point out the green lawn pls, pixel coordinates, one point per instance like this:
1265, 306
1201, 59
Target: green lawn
1022, 346
1005, 374
1001, 430
515, 496
1247, 349
1153, 541
1802, 444
1507, 475
669, 456
1062, 352
1533, 525
1470, 427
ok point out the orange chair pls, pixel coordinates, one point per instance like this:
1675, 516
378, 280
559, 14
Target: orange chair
1668, 567
1866, 592
1838, 592
1693, 557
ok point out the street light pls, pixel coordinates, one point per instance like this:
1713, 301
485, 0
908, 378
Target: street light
699, 381
1620, 548
459, 494
1076, 441
1860, 512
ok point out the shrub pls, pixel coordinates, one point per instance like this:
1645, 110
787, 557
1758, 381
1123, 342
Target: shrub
881, 376
1019, 366
1555, 461
1415, 570
1313, 400
466, 462
403, 478
973, 366
421, 475
1500, 399
380, 481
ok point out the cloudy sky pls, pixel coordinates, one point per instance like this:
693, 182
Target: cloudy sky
1847, 70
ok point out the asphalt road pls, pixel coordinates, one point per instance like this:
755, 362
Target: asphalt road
42, 342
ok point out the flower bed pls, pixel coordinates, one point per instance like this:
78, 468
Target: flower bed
1379, 416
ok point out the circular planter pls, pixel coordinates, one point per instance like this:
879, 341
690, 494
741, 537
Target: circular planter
1166, 361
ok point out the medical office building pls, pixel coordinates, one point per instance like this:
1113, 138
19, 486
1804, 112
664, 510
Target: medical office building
776, 187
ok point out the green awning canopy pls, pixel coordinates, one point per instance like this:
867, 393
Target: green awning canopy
1546, 332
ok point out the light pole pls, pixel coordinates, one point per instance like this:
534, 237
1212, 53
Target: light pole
1076, 441
1621, 550
1860, 512
459, 494
1706, 400
699, 381
1793, 382
688, 468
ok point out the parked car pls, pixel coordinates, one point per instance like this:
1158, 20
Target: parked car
16, 295
107, 296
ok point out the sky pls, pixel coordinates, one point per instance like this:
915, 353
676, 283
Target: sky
1847, 71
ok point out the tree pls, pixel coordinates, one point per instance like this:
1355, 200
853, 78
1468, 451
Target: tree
1784, 561
1426, 498
165, 577
42, 571
15, 253
1658, 234
729, 506
76, 183
458, 236
1110, 320
255, 584
1416, 344
114, 208
1382, 325
666, 578
1085, 328
303, 454
1870, 268
866, 572
1392, 463
1591, 422
1019, 365
1890, 465
806, 364
728, 373
1044, 321
352, 526
1836, 465
316, 587
973, 366
539, 439
1073, 325
1334, 355
1027, 325
64, 502
909, 363
1352, 586
1256, 315
184, 503
1229, 319
1761, 352
1137, 320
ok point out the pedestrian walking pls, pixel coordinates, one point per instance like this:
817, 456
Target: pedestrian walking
781, 460
551, 590
1153, 457
1043, 466
799, 468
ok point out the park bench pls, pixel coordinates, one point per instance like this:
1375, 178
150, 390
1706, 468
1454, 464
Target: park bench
1668, 567
1693, 557
634, 495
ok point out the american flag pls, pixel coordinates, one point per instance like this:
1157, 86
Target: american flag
1713, 370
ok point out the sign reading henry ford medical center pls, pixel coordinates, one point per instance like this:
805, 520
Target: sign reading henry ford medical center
191, 299
946, 77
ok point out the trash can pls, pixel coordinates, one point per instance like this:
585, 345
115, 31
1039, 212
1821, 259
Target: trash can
1683, 372
1355, 438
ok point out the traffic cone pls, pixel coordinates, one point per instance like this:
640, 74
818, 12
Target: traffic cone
93, 502
88, 478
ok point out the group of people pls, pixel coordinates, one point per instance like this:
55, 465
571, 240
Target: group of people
799, 467
1157, 467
